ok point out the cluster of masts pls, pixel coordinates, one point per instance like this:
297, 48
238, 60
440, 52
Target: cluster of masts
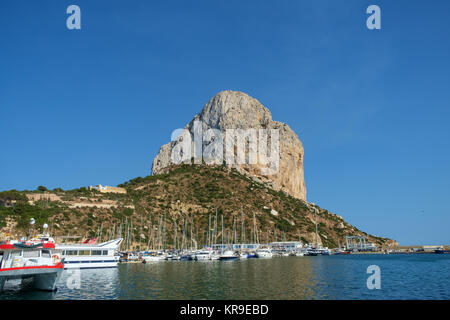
185, 235
187, 238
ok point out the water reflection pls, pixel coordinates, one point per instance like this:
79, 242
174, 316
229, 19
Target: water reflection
275, 278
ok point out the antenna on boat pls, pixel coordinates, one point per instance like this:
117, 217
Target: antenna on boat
32, 222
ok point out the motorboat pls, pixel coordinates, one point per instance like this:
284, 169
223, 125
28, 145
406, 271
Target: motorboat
202, 255
152, 257
228, 255
243, 255
264, 253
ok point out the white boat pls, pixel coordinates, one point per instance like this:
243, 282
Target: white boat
202, 255
299, 254
152, 258
83, 256
227, 255
243, 255
30, 259
264, 253
214, 256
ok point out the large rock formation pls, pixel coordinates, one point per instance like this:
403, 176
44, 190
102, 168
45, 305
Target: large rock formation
281, 166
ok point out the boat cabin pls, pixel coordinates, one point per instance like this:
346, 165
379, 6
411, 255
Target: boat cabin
18, 255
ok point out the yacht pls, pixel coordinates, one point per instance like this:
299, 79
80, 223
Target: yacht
215, 256
243, 255
227, 255
202, 255
83, 256
264, 253
152, 258
299, 253
34, 259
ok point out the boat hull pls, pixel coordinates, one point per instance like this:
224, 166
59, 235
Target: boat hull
228, 258
44, 277
91, 263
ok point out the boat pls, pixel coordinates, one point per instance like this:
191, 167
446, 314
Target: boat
343, 252
129, 257
228, 255
251, 255
324, 251
243, 255
186, 257
152, 258
83, 256
215, 256
441, 251
172, 257
264, 253
36, 260
202, 255
311, 251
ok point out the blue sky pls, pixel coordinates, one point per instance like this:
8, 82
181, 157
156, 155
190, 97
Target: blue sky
372, 107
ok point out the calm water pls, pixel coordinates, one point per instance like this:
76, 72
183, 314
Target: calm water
423, 276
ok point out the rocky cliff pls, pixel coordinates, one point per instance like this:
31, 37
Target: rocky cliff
237, 130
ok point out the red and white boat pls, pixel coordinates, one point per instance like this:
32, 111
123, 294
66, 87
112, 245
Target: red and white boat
36, 259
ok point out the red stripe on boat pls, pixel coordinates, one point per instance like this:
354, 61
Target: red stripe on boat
11, 247
58, 266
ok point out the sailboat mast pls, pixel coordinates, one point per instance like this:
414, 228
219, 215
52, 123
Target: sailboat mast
317, 242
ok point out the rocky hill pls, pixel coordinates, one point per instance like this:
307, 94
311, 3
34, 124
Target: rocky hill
170, 203
219, 133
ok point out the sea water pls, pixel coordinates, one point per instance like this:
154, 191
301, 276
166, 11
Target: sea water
402, 276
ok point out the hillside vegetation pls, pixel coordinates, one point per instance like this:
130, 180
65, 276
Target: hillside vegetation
183, 201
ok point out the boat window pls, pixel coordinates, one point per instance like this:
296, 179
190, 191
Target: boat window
71, 252
31, 254
105, 252
45, 254
16, 253
96, 252
84, 252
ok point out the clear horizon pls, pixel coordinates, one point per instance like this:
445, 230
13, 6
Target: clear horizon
371, 107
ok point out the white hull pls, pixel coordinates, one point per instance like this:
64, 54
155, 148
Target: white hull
90, 264
202, 257
43, 278
153, 258
264, 254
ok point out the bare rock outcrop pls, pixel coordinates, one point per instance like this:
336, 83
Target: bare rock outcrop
237, 130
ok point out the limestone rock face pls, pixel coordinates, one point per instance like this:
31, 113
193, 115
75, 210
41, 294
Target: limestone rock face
275, 156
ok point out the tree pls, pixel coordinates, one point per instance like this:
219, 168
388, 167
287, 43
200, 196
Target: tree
42, 188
